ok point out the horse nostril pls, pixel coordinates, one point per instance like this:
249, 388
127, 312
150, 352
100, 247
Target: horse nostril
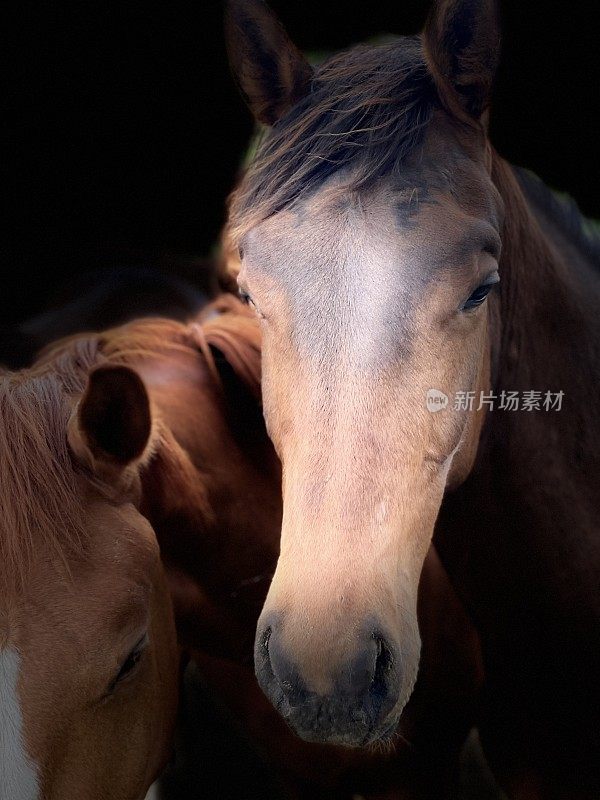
382, 675
274, 668
265, 639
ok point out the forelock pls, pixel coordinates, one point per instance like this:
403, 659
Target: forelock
367, 111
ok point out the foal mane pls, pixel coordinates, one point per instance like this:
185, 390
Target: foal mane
38, 486
39, 492
368, 107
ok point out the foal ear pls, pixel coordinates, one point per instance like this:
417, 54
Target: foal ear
270, 71
114, 415
462, 48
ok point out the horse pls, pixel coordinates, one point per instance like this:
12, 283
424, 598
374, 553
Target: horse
212, 493
139, 491
407, 280
89, 658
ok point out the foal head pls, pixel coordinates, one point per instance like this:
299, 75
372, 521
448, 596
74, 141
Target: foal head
88, 655
369, 234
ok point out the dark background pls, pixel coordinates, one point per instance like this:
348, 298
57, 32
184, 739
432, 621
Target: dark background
125, 130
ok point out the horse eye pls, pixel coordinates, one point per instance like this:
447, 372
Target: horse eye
244, 297
131, 662
247, 300
479, 295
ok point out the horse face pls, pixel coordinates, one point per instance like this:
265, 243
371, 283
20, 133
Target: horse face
372, 302
90, 668
88, 654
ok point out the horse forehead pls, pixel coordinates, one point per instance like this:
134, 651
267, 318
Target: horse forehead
103, 586
326, 236
398, 230
18, 774
351, 258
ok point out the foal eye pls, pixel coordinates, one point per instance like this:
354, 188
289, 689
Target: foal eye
130, 664
480, 294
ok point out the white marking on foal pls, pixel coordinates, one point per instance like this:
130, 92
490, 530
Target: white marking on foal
18, 778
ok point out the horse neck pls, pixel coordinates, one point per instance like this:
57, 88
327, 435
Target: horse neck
214, 488
547, 334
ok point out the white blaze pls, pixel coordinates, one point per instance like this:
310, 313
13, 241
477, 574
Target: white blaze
18, 778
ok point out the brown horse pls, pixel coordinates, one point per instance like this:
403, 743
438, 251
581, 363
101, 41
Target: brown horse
213, 494
88, 652
159, 422
374, 225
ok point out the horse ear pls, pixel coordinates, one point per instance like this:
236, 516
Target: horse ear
271, 72
462, 48
114, 417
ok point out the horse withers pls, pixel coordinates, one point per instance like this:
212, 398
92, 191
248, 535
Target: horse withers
374, 226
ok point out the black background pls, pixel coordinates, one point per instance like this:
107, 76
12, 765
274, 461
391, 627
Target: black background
125, 130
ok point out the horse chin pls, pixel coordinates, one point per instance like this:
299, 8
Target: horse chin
339, 733
383, 739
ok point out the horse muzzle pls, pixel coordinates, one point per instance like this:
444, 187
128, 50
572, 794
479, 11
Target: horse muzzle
359, 708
